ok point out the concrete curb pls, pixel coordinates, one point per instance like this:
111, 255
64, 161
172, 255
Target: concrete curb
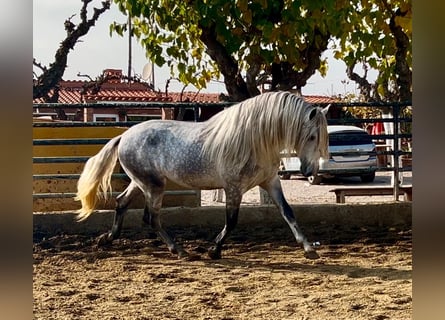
375, 214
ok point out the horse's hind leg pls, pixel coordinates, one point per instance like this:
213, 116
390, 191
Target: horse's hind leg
233, 201
273, 187
122, 202
147, 216
153, 207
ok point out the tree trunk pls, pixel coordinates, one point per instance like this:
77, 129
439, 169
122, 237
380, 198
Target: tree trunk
235, 84
402, 69
285, 77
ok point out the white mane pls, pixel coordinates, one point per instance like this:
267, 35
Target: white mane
258, 129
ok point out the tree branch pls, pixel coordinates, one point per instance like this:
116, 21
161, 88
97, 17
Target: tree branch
53, 75
39, 65
285, 77
251, 76
363, 84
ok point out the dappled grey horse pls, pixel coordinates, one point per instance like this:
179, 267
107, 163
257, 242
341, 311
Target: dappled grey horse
236, 150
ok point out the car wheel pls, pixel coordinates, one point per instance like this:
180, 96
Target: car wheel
314, 179
284, 176
368, 177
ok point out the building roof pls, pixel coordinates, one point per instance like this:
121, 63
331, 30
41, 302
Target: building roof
320, 99
73, 92
115, 88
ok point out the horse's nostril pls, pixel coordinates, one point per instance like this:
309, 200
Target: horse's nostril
307, 173
305, 167
306, 170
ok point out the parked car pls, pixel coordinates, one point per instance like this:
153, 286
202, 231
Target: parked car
353, 143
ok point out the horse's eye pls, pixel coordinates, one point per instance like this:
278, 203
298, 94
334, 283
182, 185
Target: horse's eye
312, 138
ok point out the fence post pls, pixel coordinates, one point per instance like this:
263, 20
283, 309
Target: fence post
395, 173
265, 197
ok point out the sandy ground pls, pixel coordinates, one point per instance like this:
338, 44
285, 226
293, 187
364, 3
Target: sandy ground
363, 273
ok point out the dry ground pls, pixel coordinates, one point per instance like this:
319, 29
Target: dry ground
363, 273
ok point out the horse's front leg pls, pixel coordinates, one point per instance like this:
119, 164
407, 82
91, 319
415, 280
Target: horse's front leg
273, 187
233, 201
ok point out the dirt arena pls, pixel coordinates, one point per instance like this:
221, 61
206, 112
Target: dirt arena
363, 273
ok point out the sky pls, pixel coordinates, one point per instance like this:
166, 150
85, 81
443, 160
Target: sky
98, 51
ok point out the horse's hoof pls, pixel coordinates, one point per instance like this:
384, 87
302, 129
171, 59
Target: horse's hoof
214, 254
182, 254
189, 257
104, 240
312, 254
199, 249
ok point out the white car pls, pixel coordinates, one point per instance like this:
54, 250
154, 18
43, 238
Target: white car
351, 153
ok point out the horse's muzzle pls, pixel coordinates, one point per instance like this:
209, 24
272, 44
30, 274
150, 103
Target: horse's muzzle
307, 169
307, 172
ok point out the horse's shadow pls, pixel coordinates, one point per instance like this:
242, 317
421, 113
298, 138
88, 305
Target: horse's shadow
351, 271
252, 265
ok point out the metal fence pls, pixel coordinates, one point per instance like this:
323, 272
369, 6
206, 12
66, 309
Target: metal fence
395, 153
396, 137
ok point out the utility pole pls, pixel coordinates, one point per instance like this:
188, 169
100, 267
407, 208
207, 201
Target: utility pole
129, 48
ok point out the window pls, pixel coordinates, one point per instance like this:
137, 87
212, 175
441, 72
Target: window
105, 117
349, 138
142, 117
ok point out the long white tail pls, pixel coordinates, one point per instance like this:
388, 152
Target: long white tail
95, 180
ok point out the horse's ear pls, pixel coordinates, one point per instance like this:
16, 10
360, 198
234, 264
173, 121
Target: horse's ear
325, 109
313, 113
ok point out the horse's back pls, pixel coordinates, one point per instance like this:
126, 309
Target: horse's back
159, 139
167, 148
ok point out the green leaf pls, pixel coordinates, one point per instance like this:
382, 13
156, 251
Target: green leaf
338, 55
260, 32
181, 67
160, 61
404, 22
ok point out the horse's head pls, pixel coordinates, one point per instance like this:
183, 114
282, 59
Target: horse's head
313, 141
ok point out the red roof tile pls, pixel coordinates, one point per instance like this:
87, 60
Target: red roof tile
320, 99
66, 95
127, 95
73, 92
115, 89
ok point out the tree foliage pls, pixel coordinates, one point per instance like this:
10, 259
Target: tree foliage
379, 37
249, 42
256, 42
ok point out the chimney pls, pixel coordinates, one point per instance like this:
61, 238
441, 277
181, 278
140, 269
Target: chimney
113, 75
